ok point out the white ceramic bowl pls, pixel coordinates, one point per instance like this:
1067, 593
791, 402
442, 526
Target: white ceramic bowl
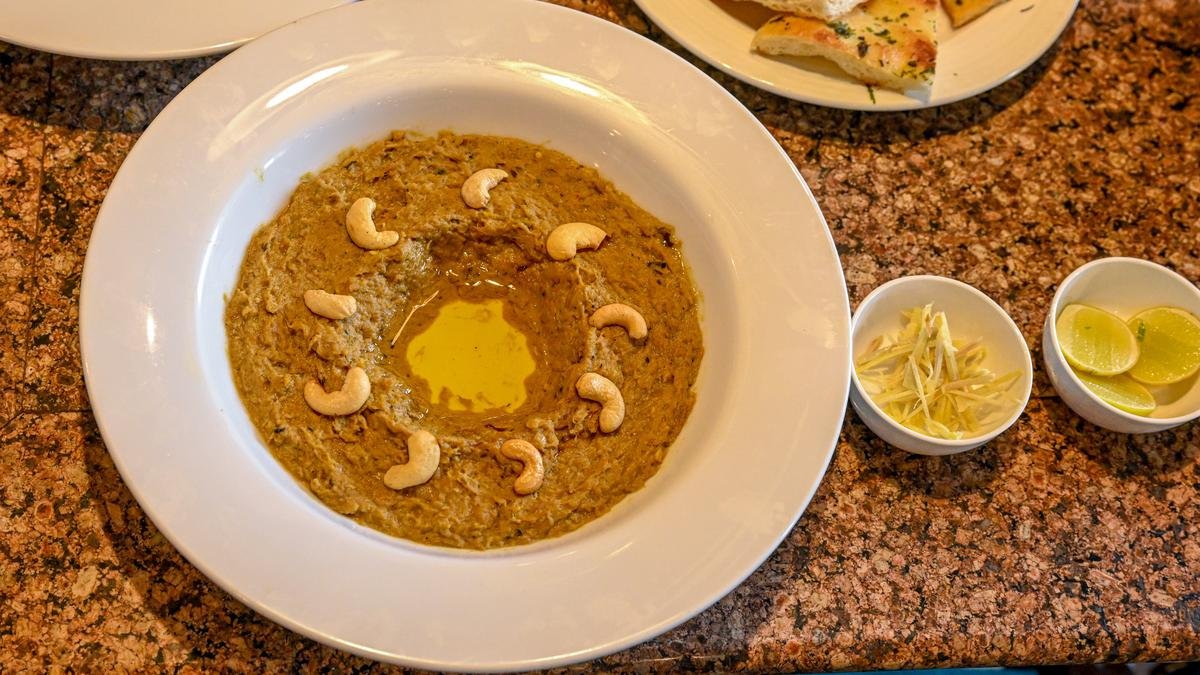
971, 314
1123, 286
221, 160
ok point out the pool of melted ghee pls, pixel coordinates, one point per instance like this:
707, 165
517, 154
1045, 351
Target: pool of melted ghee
471, 358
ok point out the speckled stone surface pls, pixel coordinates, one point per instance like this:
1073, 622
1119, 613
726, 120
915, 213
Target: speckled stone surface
1058, 542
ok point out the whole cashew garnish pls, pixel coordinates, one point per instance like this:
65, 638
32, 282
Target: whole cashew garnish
625, 316
424, 454
361, 227
475, 190
329, 305
598, 388
345, 401
533, 472
565, 240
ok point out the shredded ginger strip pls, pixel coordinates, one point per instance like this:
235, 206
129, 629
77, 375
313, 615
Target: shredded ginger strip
931, 384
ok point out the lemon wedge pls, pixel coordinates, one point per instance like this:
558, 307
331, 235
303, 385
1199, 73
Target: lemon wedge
1169, 341
1095, 341
1121, 392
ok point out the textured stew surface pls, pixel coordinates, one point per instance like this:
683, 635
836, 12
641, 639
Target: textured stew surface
276, 344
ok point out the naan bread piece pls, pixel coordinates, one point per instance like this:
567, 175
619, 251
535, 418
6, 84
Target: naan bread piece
889, 43
824, 9
962, 11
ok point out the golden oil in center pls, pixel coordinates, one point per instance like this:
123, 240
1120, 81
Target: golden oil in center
472, 358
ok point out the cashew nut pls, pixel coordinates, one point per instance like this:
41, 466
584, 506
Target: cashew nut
361, 227
595, 387
475, 190
329, 305
424, 454
533, 472
618, 314
565, 240
345, 401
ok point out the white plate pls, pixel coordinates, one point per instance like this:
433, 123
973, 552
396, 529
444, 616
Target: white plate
223, 157
971, 60
146, 29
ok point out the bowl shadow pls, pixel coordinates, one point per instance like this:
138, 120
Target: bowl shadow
24, 82
1126, 456
89, 94
944, 477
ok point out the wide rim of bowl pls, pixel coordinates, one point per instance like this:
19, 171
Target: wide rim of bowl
1052, 330
1014, 334
97, 333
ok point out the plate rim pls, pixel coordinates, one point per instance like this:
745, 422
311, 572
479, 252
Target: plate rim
88, 352
208, 48
911, 104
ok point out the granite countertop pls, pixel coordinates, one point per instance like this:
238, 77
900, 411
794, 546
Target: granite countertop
1058, 542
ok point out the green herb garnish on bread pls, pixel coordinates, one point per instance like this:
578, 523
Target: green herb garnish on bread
888, 43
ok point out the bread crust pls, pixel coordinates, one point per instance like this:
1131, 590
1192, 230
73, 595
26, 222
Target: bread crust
888, 43
964, 11
822, 9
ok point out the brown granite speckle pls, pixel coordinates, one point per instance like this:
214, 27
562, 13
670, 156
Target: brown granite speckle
96, 112
26, 75
20, 180
1057, 542
93, 584
1057, 537
78, 166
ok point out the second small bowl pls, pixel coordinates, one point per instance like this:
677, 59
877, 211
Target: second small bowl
971, 314
1123, 286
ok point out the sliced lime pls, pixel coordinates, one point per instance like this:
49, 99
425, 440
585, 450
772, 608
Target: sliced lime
1121, 392
1169, 343
1095, 341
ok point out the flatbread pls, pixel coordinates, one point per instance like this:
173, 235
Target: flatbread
962, 11
889, 43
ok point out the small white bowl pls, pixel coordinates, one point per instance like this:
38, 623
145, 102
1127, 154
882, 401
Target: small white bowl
1123, 286
971, 314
